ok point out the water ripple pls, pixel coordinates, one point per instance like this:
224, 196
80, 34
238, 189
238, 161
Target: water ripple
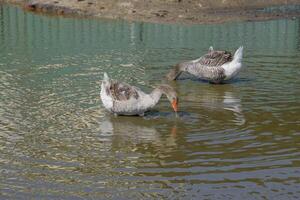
229, 141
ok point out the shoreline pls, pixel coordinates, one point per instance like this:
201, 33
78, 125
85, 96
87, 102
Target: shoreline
170, 11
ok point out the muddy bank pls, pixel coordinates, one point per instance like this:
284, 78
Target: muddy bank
167, 11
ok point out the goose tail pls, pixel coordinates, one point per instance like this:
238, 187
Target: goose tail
105, 77
238, 55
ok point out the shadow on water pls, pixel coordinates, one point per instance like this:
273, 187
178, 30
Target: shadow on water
236, 80
156, 114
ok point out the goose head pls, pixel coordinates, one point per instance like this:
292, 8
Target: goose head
174, 73
171, 95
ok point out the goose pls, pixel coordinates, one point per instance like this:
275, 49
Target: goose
123, 99
215, 66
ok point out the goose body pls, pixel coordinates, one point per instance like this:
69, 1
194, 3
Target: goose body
215, 66
123, 99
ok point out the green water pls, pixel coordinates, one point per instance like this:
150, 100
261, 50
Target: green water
232, 141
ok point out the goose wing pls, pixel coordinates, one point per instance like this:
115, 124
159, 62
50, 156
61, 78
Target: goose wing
122, 91
215, 58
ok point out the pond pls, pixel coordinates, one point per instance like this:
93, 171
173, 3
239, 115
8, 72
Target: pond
229, 141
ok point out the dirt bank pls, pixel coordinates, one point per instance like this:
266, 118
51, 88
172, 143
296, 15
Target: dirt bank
168, 11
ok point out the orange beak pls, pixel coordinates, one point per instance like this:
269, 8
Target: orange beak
175, 105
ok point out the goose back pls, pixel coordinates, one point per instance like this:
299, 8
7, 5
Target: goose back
121, 91
215, 58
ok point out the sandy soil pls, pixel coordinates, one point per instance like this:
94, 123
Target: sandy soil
168, 11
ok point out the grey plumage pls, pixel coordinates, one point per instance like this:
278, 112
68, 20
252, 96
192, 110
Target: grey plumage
215, 66
210, 73
215, 58
121, 91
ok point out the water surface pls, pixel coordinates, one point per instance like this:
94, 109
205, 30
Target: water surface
229, 141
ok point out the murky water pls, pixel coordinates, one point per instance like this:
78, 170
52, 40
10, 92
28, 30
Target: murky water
230, 141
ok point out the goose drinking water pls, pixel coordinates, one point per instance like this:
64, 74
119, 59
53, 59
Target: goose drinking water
215, 66
124, 99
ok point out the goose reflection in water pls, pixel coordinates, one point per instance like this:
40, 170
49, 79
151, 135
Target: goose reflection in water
216, 98
135, 131
233, 103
